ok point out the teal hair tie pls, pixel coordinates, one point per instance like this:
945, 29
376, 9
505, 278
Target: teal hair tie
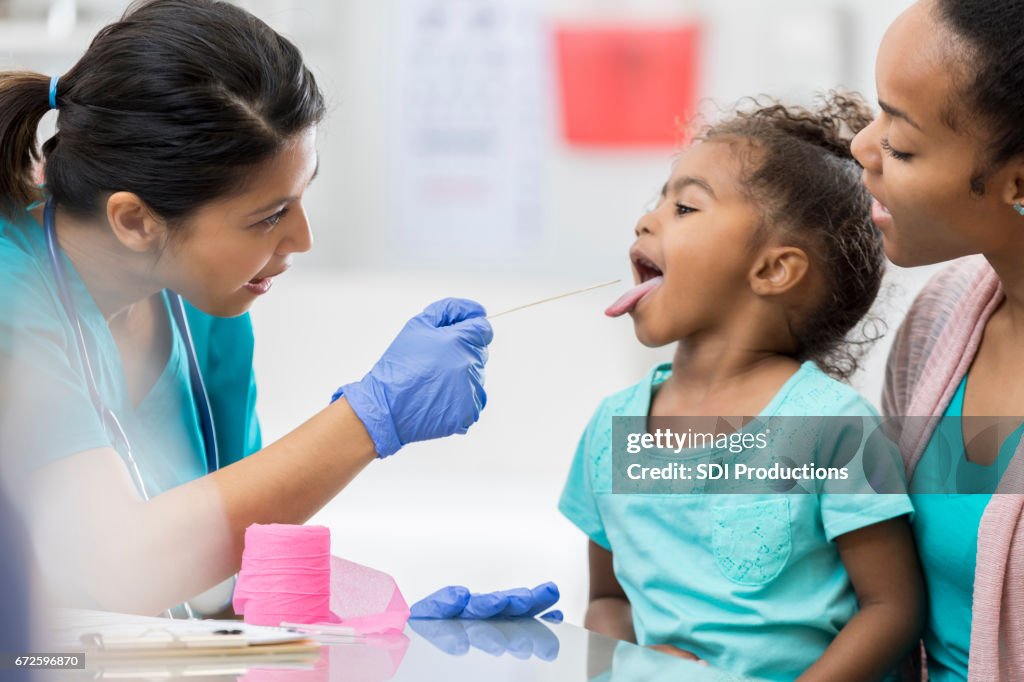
53, 91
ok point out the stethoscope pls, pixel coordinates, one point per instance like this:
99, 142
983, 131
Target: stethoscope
112, 425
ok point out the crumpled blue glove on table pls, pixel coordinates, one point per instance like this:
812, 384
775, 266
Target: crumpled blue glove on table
456, 601
430, 381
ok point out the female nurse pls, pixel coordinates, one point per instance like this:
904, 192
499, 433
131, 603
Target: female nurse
186, 138
945, 164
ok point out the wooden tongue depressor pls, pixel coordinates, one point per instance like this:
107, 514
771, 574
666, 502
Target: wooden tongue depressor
554, 298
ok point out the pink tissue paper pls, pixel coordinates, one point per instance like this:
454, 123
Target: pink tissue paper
289, 575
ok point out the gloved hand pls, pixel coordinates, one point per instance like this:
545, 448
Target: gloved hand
456, 601
430, 381
523, 638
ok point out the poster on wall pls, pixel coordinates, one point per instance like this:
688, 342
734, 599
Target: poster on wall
625, 86
470, 81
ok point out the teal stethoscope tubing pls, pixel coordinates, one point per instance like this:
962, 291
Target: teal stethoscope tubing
110, 421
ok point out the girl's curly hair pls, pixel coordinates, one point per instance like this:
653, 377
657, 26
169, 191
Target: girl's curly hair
802, 175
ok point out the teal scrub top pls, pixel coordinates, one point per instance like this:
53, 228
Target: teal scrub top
751, 583
46, 413
946, 530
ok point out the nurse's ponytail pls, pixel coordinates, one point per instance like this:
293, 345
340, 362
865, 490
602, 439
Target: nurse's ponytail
24, 99
179, 102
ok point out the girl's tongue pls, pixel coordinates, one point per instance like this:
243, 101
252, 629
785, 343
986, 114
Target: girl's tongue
629, 299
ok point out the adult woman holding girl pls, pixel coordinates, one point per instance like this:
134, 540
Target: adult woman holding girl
945, 163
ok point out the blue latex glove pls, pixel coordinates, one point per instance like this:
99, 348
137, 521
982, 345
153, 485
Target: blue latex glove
456, 601
522, 638
430, 381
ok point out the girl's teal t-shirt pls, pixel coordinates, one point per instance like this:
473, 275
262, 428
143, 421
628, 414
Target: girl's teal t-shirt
945, 525
46, 413
751, 583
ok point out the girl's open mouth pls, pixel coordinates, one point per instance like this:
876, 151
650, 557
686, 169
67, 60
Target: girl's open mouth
650, 276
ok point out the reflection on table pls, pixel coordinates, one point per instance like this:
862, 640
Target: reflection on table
496, 651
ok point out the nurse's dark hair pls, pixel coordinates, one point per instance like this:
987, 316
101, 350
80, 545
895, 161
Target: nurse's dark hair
988, 45
179, 102
797, 169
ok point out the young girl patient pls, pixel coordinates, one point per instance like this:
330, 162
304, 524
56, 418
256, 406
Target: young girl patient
758, 261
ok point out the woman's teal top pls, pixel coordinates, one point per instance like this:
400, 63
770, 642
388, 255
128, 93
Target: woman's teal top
46, 413
950, 494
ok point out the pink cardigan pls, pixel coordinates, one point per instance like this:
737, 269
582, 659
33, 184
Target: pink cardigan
933, 350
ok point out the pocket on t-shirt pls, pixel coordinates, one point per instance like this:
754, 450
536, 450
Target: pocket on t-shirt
752, 540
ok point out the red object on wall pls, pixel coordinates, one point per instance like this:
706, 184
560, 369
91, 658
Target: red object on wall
627, 87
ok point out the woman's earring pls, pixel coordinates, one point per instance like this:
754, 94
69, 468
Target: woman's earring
1019, 207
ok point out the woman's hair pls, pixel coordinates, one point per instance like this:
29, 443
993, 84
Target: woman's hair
991, 83
178, 102
801, 175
